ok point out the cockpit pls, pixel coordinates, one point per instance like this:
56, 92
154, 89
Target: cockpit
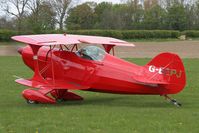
91, 53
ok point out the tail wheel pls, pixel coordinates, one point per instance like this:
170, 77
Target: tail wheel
31, 102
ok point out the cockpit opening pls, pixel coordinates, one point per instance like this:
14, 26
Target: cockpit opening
91, 53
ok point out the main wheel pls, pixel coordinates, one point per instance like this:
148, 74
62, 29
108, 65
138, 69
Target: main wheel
60, 100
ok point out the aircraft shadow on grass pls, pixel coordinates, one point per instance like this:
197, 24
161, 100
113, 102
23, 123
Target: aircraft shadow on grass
116, 101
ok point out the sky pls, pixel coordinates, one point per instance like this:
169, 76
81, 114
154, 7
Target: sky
99, 1
82, 1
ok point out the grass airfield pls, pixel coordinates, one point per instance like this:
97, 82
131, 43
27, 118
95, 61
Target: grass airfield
99, 112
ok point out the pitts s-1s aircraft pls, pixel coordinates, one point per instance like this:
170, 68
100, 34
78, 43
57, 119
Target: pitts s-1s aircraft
60, 67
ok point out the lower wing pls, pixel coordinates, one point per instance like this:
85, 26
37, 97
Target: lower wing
50, 84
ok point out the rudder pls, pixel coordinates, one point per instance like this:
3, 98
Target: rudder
170, 68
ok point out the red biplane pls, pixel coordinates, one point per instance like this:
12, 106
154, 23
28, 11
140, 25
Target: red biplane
60, 67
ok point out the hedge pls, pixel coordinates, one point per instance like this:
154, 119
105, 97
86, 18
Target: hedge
121, 34
108, 33
191, 33
130, 34
145, 34
5, 35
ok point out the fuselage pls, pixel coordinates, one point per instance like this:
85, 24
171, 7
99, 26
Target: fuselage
110, 75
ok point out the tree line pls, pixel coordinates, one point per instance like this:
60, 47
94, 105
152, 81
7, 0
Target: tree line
43, 15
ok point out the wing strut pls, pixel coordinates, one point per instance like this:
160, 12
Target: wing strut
74, 47
53, 74
37, 76
108, 48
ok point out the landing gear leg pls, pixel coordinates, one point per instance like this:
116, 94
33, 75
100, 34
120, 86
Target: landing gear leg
173, 101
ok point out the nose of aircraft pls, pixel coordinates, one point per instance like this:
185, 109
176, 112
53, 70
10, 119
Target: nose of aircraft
20, 50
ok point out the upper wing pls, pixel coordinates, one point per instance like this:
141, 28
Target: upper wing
57, 39
45, 39
100, 40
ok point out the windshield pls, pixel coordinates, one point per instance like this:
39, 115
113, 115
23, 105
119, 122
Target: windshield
92, 53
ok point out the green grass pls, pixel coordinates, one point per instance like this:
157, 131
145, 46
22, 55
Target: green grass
98, 113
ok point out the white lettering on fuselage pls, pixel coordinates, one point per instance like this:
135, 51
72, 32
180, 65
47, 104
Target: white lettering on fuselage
165, 71
154, 69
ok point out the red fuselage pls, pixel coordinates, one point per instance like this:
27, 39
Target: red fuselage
111, 75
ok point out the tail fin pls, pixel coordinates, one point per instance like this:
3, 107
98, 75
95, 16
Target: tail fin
169, 69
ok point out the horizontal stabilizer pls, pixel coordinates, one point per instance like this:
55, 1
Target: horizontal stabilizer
147, 81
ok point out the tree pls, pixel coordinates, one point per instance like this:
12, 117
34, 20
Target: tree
100, 12
81, 17
61, 7
176, 17
154, 18
5, 23
117, 17
20, 7
42, 16
190, 17
196, 16
148, 4
135, 13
